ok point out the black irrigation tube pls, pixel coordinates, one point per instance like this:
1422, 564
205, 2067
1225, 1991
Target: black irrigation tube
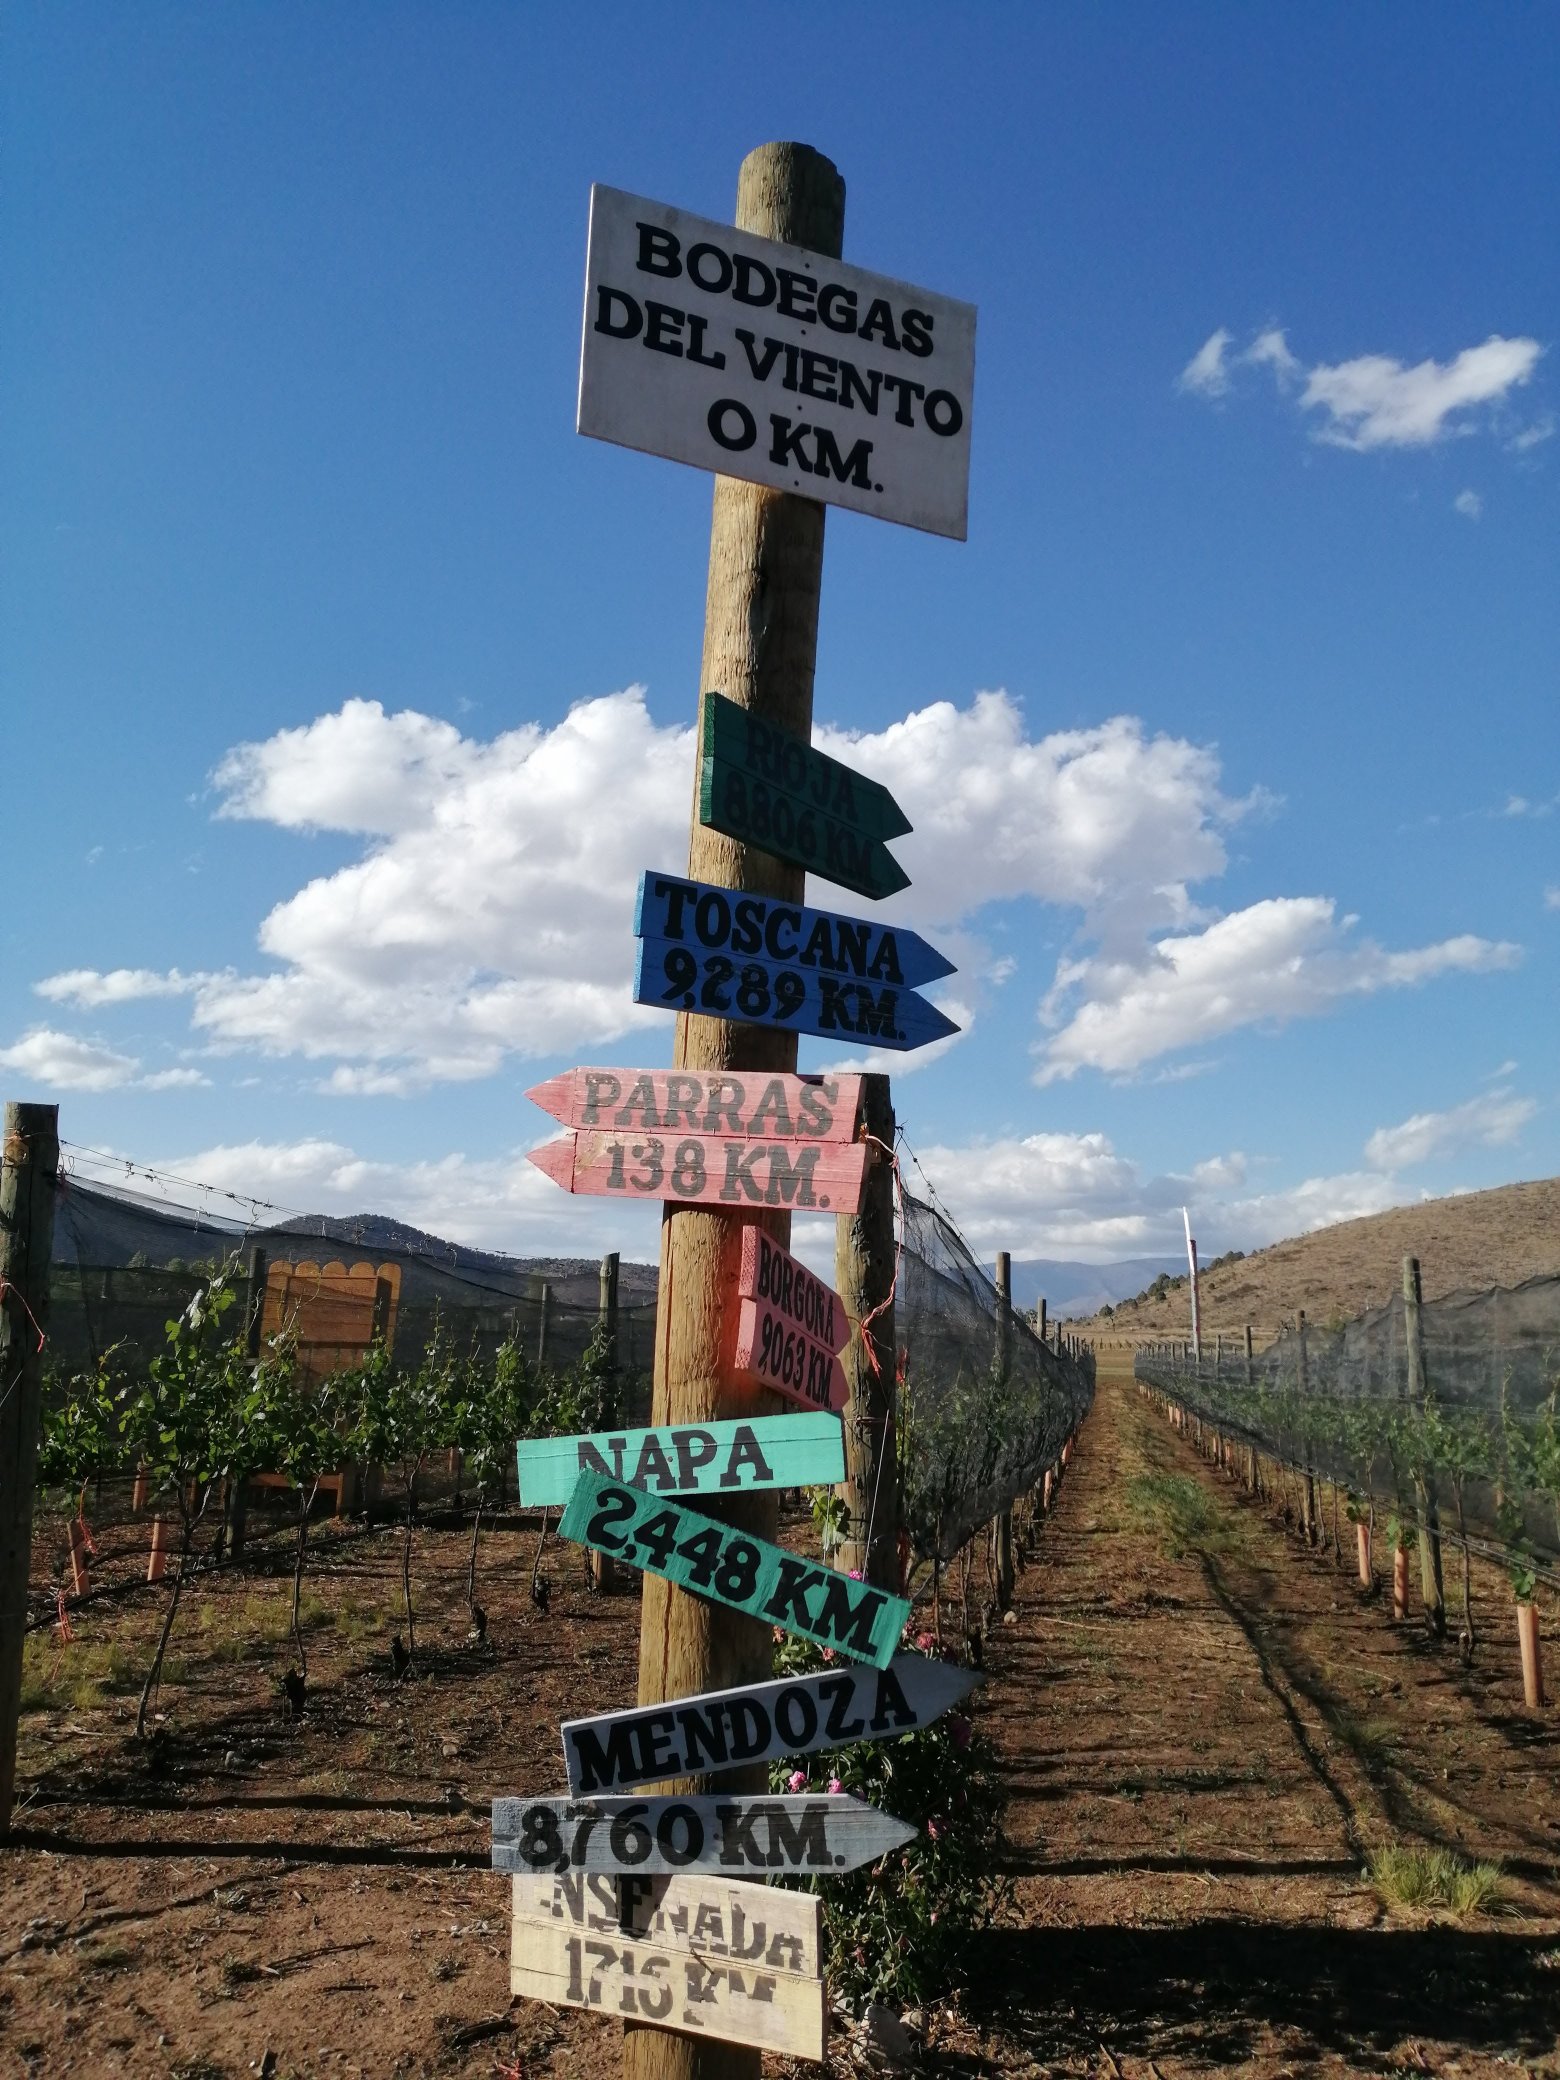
1484, 1549
227, 1851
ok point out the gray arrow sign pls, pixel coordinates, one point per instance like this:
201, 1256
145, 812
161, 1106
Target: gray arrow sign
797, 1715
796, 1832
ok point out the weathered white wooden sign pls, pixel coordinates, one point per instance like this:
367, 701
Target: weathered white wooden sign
800, 1831
727, 1960
795, 1715
765, 361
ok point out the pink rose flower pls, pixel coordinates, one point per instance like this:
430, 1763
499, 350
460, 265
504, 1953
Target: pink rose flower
856, 1575
934, 1829
797, 1780
835, 1786
926, 1642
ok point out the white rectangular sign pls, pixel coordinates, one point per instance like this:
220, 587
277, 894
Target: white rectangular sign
767, 362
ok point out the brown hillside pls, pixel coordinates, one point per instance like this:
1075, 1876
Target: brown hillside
1465, 1243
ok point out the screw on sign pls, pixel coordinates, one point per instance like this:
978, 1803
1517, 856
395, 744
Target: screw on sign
747, 1574
742, 1836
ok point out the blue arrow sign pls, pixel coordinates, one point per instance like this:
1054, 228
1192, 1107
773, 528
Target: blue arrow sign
678, 977
745, 927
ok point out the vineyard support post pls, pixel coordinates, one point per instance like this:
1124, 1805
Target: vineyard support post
236, 1526
1004, 1360
29, 1177
603, 1567
864, 1278
1532, 1662
760, 649
1308, 1489
1432, 1588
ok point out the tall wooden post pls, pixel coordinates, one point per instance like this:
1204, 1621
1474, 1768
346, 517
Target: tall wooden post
1004, 1356
1431, 1585
29, 1176
1308, 1489
864, 1279
760, 648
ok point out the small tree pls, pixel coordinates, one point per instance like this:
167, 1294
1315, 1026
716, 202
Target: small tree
492, 1411
197, 1418
396, 1418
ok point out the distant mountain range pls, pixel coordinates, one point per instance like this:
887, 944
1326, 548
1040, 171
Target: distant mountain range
98, 1228
1071, 1290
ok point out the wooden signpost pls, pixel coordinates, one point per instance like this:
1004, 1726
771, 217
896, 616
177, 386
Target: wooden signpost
790, 1327
747, 1574
709, 1170
705, 1954
801, 1451
671, 1101
754, 351
745, 1837
756, 1723
735, 800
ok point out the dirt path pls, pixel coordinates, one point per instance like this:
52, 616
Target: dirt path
1207, 1730
1205, 1727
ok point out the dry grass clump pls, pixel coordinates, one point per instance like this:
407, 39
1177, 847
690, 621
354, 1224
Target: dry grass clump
1434, 1880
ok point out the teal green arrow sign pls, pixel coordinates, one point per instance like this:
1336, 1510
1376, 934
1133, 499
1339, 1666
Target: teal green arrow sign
748, 1574
835, 824
804, 1450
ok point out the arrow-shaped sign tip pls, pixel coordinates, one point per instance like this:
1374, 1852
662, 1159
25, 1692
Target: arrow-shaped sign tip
557, 1159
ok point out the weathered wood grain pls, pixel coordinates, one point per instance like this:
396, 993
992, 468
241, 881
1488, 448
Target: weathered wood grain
798, 1832
697, 1552
703, 1170
756, 1722
791, 1451
768, 1272
576, 1963
768, 1350
678, 1101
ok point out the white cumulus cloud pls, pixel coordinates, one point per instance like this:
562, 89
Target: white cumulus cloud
66, 1062
1287, 957
1469, 504
490, 911
1376, 400
1493, 1120
89, 987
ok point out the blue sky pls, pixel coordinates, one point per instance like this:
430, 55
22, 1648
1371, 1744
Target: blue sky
347, 689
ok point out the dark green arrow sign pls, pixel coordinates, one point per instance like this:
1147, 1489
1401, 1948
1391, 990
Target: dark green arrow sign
766, 787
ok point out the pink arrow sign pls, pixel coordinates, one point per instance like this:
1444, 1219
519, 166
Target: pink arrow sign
772, 1352
692, 1101
710, 1170
772, 1274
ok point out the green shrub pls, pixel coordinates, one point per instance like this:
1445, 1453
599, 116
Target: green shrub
901, 1930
